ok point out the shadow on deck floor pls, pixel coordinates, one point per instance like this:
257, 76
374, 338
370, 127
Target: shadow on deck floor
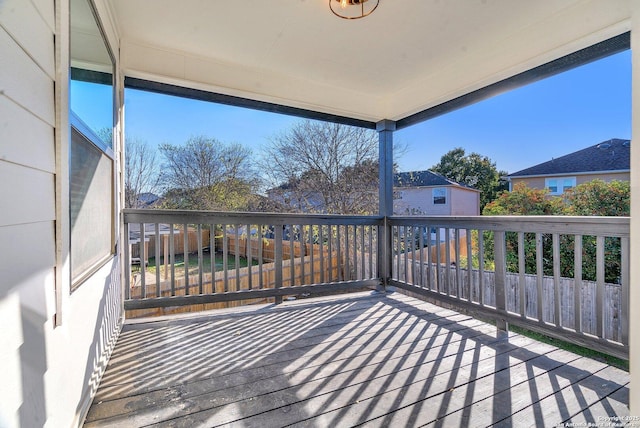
365, 359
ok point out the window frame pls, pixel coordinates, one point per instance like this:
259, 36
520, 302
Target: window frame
441, 194
78, 127
559, 184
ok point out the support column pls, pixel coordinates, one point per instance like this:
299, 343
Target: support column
634, 283
385, 130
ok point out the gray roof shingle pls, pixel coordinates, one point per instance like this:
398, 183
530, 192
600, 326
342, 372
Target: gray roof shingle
611, 155
423, 179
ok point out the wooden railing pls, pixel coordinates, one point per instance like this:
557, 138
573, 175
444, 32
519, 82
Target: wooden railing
566, 277
245, 256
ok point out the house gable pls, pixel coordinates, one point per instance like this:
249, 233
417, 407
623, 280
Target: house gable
608, 156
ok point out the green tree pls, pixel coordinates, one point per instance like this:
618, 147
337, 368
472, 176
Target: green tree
473, 170
524, 200
599, 198
592, 198
207, 174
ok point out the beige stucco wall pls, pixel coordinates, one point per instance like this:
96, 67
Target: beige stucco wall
464, 201
538, 182
419, 201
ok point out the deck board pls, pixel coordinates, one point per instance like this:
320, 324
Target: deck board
366, 359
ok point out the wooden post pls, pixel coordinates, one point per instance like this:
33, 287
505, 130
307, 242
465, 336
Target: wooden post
385, 130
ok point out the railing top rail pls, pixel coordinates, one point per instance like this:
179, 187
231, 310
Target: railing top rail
579, 225
223, 217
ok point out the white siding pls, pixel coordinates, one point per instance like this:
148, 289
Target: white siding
49, 372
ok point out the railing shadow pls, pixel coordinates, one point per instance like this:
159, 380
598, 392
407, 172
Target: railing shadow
374, 360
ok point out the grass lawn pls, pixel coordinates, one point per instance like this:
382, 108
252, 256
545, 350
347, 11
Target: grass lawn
193, 263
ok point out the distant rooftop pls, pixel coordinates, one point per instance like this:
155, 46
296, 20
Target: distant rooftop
610, 155
423, 179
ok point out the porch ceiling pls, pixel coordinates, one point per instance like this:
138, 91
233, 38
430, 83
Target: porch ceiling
407, 56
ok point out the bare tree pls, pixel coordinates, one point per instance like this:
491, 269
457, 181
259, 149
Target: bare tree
205, 173
324, 167
141, 172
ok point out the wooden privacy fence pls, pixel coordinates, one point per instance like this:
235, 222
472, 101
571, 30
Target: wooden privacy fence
265, 247
455, 282
178, 242
295, 272
331, 254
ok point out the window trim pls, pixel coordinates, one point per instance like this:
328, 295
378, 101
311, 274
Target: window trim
443, 196
560, 184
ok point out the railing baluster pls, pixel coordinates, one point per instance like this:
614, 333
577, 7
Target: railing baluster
321, 251
469, 266
439, 287
429, 258
236, 233
624, 294
291, 254
577, 283
225, 258
362, 255
143, 263
185, 257
539, 278
330, 248
278, 259
405, 254
371, 272
421, 262
600, 285
303, 251
311, 254
522, 279
127, 261
481, 267
172, 258
447, 258
500, 276
557, 292
157, 257
396, 238
200, 260
459, 291
339, 249
212, 255
260, 255
249, 256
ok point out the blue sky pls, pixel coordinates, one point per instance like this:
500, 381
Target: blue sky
517, 129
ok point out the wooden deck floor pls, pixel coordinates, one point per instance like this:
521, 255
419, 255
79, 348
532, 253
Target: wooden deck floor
365, 359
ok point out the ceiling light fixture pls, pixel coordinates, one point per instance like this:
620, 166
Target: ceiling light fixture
353, 9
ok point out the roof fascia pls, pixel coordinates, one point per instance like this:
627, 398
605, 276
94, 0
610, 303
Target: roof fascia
198, 94
584, 56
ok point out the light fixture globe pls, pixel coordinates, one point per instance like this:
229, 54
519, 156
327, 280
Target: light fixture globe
353, 9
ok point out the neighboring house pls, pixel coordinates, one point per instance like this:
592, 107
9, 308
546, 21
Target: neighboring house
414, 193
428, 193
148, 200
607, 161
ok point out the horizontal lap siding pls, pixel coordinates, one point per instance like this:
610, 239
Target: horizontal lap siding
27, 205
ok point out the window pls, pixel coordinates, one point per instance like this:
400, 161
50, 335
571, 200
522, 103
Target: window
439, 196
557, 186
91, 161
